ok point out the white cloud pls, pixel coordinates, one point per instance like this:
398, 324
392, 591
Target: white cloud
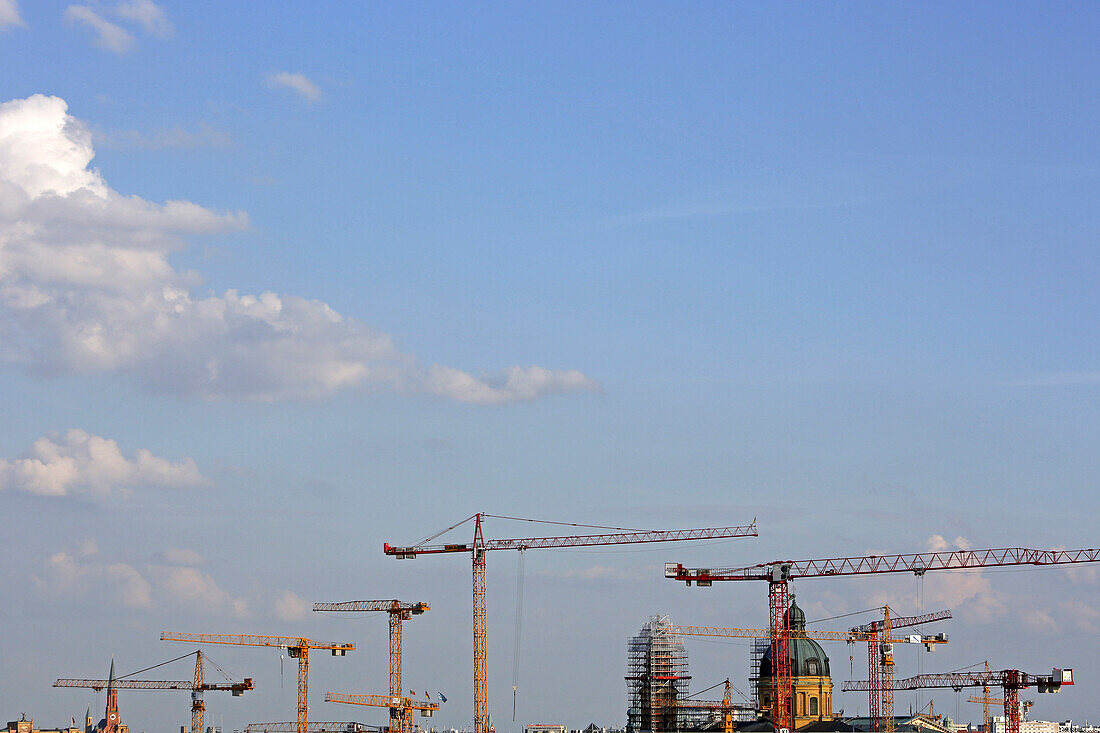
197, 590
9, 13
156, 586
108, 35
298, 82
148, 15
81, 463
86, 287
290, 607
64, 574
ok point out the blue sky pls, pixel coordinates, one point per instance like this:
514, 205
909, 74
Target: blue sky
647, 265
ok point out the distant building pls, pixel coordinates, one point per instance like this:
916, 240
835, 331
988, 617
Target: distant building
544, 728
27, 726
811, 683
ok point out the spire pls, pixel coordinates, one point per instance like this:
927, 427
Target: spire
111, 677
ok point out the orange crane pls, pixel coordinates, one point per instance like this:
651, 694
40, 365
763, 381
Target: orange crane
197, 687
880, 661
297, 647
779, 573
400, 707
1012, 680
399, 613
986, 701
479, 546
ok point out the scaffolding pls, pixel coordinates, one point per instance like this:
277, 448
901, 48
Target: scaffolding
657, 678
759, 648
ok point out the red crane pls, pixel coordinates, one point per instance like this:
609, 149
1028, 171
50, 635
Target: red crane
1012, 680
780, 572
479, 546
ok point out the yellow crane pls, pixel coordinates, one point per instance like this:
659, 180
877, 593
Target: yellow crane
297, 647
400, 707
479, 546
399, 612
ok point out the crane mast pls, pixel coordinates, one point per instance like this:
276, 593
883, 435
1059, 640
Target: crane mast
779, 573
479, 546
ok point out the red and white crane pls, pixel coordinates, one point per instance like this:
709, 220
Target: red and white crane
779, 573
479, 546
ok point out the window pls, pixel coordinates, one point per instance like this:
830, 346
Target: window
813, 706
811, 668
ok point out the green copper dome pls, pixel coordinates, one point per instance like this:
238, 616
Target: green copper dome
808, 659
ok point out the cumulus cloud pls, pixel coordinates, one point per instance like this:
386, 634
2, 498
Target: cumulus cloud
80, 463
9, 14
290, 607
84, 574
196, 590
86, 287
297, 82
66, 574
108, 35
146, 13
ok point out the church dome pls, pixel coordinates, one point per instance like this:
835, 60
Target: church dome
808, 659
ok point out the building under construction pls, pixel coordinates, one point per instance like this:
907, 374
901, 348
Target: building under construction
657, 678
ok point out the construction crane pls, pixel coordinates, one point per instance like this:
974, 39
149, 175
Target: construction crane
726, 707
986, 701
779, 573
880, 662
197, 687
479, 546
401, 708
876, 637
399, 612
1011, 680
313, 728
297, 647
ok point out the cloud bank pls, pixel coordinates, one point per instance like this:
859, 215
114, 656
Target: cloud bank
80, 463
86, 287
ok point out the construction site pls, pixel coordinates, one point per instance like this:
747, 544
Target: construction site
791, 685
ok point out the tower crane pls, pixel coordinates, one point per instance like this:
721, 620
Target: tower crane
873, 633
725, 706
480, 546
779, 573
197, 687
401, 707
1012, 680
313, 728
880, 662
297, 648
399, 612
